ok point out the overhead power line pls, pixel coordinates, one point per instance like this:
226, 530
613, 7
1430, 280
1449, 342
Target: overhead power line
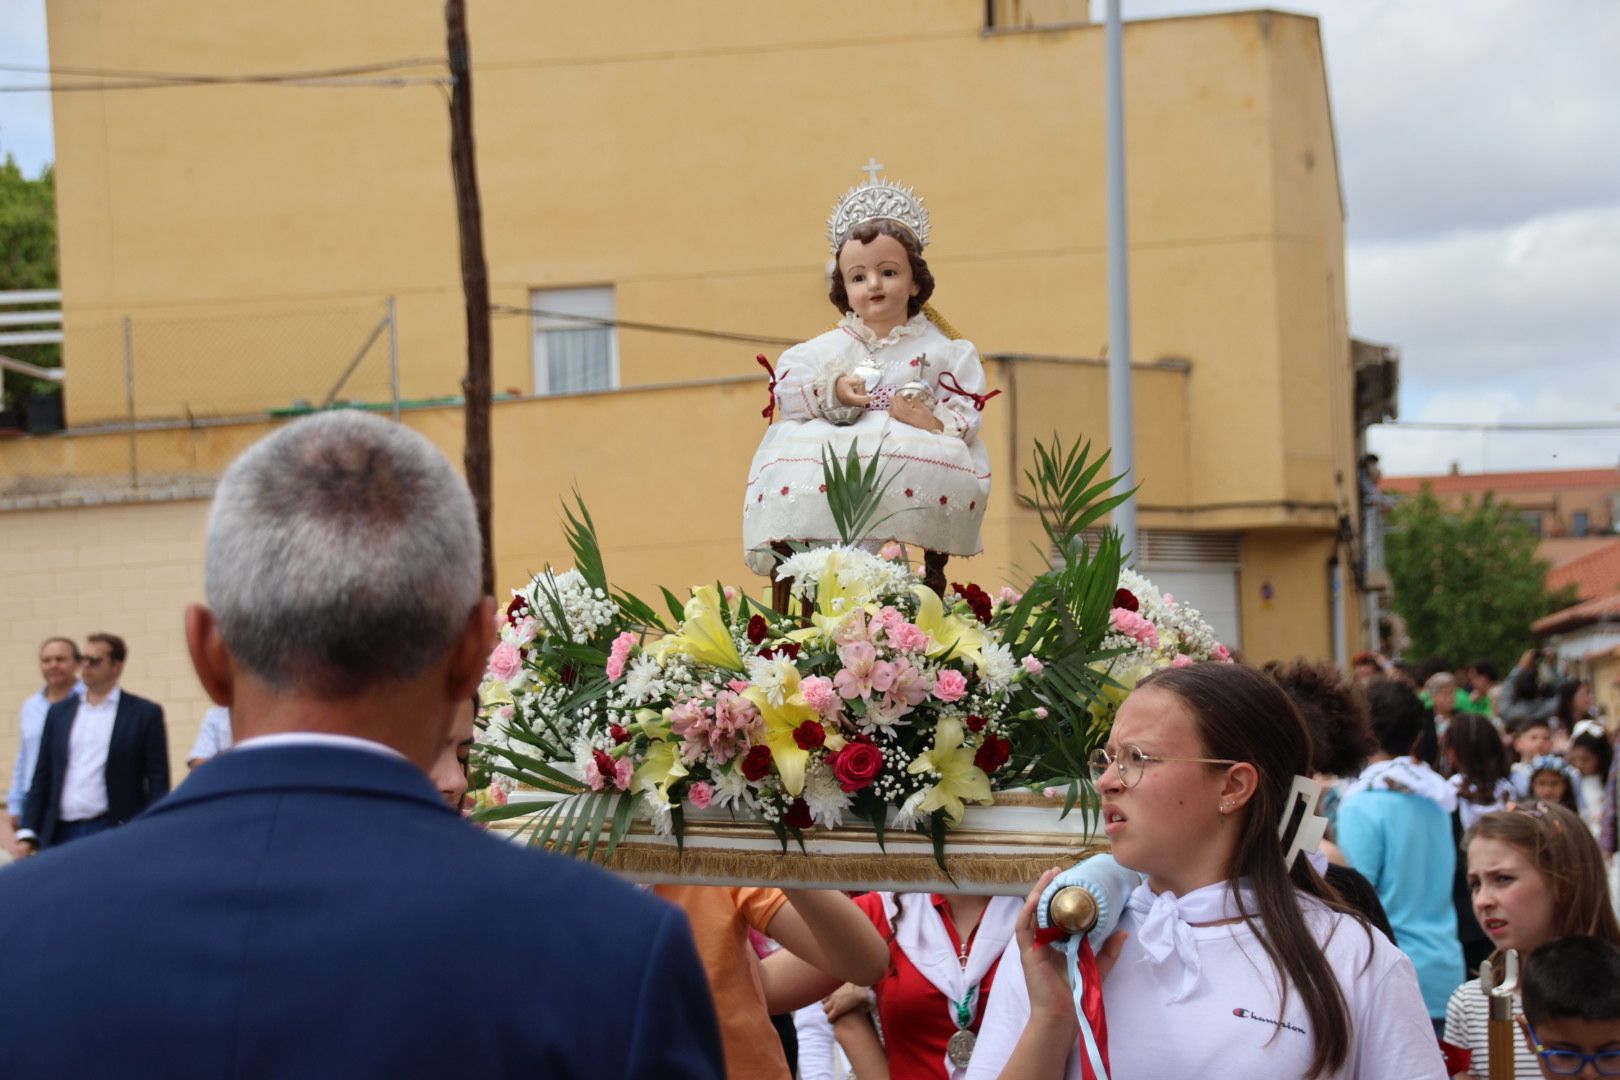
654, 328
1528, 426
371, 74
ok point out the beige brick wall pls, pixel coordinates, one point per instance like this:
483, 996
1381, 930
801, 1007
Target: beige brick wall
130, 569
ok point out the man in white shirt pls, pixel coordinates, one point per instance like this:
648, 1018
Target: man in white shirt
59, 667
213, 738
103, 755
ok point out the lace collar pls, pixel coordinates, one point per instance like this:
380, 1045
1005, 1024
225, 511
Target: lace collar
858, 329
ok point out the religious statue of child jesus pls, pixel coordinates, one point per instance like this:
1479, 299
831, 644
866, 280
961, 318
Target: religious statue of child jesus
886, 374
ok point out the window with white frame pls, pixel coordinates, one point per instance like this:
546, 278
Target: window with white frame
576, 347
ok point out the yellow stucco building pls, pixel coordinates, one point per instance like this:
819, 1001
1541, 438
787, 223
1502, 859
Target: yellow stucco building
228, 250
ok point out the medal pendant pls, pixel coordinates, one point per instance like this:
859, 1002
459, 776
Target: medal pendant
960, 1048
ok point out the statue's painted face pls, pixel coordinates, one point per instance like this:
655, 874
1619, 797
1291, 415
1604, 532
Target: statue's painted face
877, 277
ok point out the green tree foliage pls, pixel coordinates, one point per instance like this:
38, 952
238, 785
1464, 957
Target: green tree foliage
27, 258
1467, 582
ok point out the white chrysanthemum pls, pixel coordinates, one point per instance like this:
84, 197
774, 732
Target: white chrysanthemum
731, 788
655, 807
768, 676
827, 801
907, 816
998, 668
859, 571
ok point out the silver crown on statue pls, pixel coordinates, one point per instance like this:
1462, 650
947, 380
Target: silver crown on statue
877, 200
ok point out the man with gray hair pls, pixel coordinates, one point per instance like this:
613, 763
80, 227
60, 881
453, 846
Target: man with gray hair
307, 905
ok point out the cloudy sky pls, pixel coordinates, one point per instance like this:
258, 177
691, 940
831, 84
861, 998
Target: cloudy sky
1480, 146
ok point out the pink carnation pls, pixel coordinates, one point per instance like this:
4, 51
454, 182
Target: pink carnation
1134, 626
894, 551
618, 654
506, 661
819, 694
1040, 712
1009, 595
1032, 665
602, 770
737, 686
950, 685
1222, 654
1181, 660
700, 794
905, 637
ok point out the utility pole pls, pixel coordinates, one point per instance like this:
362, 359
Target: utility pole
1121, 436
475, 385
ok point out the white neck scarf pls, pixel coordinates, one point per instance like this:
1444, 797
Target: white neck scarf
1165, 931
921, 935
1406, 774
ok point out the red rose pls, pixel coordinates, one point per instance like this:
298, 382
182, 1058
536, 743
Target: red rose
798, 815
518, 608
1126, 599
756, 764
620, 735
757, 629
857, 764
993, 754
976, 723
810, 735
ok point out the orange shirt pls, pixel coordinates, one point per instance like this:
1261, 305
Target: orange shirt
720, 919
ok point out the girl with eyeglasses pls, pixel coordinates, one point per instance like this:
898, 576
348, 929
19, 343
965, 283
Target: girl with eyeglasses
1229, 962
1536, 875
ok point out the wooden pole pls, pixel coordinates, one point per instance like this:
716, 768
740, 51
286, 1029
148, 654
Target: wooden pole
475, 385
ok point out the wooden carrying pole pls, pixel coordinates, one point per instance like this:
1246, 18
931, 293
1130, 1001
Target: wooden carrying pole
1500, 1030
475, 385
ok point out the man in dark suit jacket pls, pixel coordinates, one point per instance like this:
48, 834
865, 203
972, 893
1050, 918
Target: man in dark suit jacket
103, 757
307, 905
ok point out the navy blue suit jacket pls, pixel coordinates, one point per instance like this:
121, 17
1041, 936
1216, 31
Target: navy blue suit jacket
308, 911
137, 770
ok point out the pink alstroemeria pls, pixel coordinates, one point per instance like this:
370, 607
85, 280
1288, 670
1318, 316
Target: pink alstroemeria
618, 654
855, 628
1010, 595
1032, 665
911, 684
735, 722
694, 724
1182, 660
950, 685
1134, 626
863, 672
894, 551
506, 661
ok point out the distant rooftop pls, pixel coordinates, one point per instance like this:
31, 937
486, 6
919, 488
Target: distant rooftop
1480, 483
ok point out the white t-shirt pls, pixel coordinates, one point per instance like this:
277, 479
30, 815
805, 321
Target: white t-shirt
1225, 1027
1467, 1015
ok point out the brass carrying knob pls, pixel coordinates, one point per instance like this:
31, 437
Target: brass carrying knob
1074, 909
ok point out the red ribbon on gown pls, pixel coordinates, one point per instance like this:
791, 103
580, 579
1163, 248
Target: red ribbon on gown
769, 411
956, 388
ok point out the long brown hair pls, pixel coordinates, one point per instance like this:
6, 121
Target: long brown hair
1243, 715
1478, 755
1560, 846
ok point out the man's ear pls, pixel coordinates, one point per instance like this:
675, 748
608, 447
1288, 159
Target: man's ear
209, 656
469, 656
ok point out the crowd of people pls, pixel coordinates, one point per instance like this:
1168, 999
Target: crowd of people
309, 901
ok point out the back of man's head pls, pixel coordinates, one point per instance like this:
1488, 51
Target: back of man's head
342, 553
1397, 716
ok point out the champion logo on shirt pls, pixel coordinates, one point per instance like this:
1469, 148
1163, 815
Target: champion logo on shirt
1245, 1014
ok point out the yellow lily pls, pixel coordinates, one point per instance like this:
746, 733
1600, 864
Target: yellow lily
834, 605
780, 723
950, 632
660, 769
959, 779
704, 635
494, 692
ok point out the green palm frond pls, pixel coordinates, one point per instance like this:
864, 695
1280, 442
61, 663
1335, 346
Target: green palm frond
855, 492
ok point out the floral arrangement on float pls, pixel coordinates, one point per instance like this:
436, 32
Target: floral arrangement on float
735, 743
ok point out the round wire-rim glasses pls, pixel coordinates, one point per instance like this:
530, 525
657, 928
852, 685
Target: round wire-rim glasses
1132, 760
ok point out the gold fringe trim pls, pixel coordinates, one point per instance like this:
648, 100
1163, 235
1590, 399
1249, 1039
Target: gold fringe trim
792, 866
